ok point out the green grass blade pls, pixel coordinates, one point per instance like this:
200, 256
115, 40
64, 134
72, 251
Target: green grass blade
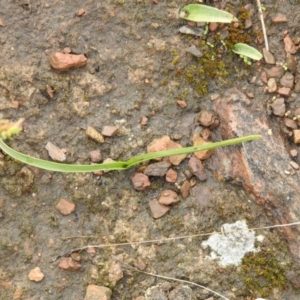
119, 165
204, 13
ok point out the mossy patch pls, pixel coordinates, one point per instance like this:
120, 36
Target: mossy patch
262, 272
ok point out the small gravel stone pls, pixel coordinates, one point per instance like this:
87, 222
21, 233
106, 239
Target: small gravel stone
296, 136
80, 12
96, 292
171, 176
185, 189
197, 168
157, 169
197, 31
293, 153
289, 123
207, 118
69, 264
64, 61
109, 130
182, 103
287, 80
269, 57
275, 72
284, 91
158, 210
202, 154
140, 181
294, 165
94, 134
206, 134
36, 275
264, 77
144, 121
96, 156
289, 46
165, 143
55, 153
168, 197
272, 85
279, 18
213, 26
194, 51
65, 206
278, 107
291, 63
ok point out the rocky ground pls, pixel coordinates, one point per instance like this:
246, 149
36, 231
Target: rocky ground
108, 80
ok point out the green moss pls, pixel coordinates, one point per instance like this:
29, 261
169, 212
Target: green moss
262, 272
199, 74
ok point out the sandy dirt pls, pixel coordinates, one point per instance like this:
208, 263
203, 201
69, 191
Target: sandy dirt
137, 67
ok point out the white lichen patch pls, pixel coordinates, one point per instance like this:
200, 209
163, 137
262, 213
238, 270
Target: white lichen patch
231, 246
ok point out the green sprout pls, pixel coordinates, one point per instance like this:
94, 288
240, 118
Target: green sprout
118, 165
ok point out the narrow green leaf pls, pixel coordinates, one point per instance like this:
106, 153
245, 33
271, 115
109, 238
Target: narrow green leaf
204, 13
246, 50
119, 165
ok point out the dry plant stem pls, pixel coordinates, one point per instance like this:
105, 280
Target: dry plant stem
163, 240
261, 15
171, 278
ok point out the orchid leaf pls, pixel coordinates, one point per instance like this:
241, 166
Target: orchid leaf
204, 13
246, 50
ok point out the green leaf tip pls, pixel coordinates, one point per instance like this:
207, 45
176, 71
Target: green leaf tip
204, 13
246, 50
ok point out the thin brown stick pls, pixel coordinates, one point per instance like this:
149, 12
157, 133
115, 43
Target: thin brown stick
171, 278
261, 15
163, 240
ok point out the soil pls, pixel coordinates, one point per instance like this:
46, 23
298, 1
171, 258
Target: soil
137, 67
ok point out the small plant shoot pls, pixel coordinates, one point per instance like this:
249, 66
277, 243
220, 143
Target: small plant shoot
118, 165
204, 13
247, 51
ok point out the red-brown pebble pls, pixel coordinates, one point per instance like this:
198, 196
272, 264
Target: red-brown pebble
294, 152
185, 189
63, 61
36, 275
158, 210
289, 46
80, 12
95, 292
197, 168
284, 91
140, 181
296, 136
168, 197
109, 130
65, 206
279, 18
171, 176
96, 156
182, 103
69, 264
